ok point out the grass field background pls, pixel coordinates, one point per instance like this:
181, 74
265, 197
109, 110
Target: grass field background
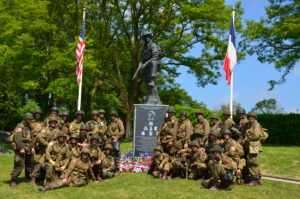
276, 160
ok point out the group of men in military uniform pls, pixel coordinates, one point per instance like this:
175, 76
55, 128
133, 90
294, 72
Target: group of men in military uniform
218, 154
58, 153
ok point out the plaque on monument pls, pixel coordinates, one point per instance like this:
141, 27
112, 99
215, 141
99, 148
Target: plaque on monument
147, 122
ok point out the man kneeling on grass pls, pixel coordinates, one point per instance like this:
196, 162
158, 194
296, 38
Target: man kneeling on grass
161, 166
77, 173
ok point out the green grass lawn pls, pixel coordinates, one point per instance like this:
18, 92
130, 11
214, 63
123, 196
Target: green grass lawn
275, 160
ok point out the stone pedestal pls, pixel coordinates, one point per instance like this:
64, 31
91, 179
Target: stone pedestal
147, 122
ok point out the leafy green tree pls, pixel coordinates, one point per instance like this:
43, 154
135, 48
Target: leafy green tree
268, 106
275, 38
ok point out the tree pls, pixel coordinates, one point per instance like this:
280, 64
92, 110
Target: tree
275, 38
268, 106
38, 39
226, 106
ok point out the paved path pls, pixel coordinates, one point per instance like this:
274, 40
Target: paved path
280, 179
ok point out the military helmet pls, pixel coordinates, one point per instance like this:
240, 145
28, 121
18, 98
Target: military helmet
215, 133
146, 33
201, 112
194, 143
214, 116
28, 116
95, 137
108, 146
94, 112
158, 148
241, 111
170, 110
38, 110
54, 108
52, 119
101, 111
226, 112
85, 150
61, 134
184, 112
216, 148
226, 131
252, 114
74, 136
84, 127
113, 112
79, 112
64, 113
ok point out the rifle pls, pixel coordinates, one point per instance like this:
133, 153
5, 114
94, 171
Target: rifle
140, 67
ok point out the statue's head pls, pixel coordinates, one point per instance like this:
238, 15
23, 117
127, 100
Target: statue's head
146, 36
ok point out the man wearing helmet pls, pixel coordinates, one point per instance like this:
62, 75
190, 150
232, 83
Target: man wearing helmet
75, 125
184, 132
22, 142
108, 167
161, 166
102, 124
93, 124
216, 124
201, 129
37, 114
77, 173
53, 113
64, 124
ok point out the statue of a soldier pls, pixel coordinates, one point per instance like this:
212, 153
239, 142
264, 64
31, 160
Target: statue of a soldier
148, 67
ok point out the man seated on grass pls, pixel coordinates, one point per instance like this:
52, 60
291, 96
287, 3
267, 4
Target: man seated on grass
76, 175
161, 166
221, 169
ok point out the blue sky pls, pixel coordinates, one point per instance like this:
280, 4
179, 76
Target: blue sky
250, 77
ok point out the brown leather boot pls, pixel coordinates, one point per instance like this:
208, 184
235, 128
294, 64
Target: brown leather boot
253, 183
33, 181
13, 183
117, 173
165, 176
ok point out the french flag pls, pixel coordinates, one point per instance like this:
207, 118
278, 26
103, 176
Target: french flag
231, 58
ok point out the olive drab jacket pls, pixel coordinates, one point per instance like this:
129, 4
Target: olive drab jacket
225, 161
74, 151
93, 126
115, 129
217, 126
46, 121
185, 131
108, 163
23, 137
168, 130
102, 127
197, 159
59, 153
243, 122
96, 153
34, 123
75, 127
161, 159
233, 149
252, 137
79, 169
202, 128
44, 138
228, 123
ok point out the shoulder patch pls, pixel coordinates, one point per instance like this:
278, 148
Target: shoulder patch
19, 129
257, 128
50, 143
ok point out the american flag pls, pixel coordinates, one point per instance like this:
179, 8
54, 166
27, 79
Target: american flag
231, 57
80, 51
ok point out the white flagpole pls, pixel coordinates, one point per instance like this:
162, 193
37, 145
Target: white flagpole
231, 83
81, 78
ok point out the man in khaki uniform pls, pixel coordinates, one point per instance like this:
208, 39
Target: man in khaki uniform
161, 166
46, 135
221, 169
64, 125
230, 124
235, 151
93, 124
83, 138
184, 132
37, 114
108, 168
57, 157
22, 139
102, 124
74, 147
76, 175
201, 129
75, 125
97, 156
216, 124
53, 113
115, 131
243, 121
168, 131
253, 148
197, 158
